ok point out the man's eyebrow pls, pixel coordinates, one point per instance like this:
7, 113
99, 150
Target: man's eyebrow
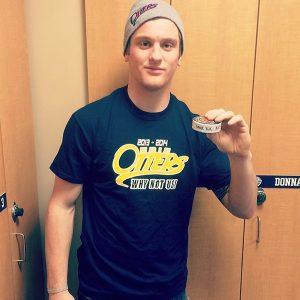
142, 36
146, 37
172, 40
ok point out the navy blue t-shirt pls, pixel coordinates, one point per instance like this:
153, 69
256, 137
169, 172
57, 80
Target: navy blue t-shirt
139, 172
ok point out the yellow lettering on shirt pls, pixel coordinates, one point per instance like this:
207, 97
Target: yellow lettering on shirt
147, 161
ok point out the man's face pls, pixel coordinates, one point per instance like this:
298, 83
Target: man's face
153, 55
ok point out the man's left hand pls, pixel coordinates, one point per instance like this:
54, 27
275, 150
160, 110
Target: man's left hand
234, 137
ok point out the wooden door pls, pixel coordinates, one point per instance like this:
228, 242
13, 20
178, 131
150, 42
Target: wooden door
271, 268
18, 154
217, 71
105, 23
6, 283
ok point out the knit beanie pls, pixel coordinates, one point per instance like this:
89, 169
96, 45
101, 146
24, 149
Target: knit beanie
145, 10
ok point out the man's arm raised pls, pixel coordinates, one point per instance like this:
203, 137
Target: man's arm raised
234, 139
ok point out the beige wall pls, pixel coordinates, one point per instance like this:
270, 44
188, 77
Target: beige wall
56, 46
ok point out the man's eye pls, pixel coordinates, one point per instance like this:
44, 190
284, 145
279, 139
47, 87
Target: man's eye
144, 44
168, 46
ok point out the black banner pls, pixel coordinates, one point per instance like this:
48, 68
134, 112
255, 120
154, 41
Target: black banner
278, 181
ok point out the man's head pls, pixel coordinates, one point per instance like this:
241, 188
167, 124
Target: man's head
146, 10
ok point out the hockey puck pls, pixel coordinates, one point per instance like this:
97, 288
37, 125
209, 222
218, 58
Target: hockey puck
202, 124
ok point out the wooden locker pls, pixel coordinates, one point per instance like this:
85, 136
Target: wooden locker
216, 71
6, 280
18, 154
105, 23
271, 268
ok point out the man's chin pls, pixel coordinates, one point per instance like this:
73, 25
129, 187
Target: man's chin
155, 86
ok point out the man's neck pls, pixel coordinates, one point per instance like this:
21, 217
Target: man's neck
149, 100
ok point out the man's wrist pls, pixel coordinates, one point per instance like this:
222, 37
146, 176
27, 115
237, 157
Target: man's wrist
53, 291
240, 156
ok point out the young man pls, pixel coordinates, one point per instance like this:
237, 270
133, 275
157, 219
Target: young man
138, 162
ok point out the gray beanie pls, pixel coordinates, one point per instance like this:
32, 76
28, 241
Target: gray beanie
145, 10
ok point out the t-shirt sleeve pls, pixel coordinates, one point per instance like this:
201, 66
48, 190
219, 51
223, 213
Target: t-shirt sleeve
214, 168
73, 159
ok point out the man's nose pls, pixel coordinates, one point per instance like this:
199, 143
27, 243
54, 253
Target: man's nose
156, 54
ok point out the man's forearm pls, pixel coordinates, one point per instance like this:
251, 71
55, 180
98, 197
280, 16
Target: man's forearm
241, 199
58, 234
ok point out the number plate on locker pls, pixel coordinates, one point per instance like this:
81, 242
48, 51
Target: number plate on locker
3, 203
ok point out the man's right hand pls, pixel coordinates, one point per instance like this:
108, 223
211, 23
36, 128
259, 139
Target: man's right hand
61, 296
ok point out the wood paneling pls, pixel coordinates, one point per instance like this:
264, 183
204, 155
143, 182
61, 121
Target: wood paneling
217, 71
105, 23
6, 283
218, 62
18, 149
272, 267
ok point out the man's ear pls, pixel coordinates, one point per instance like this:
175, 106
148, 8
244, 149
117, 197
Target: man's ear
179, 61
126, 58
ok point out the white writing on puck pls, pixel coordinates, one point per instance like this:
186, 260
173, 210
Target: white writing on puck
202, 124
